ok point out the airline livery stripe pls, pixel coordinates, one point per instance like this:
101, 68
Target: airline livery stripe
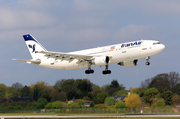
29, 38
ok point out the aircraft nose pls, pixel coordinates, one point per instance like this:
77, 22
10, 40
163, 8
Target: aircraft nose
162, 47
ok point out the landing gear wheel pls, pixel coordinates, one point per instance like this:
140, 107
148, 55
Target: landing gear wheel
106, 72
147, 63
89, 71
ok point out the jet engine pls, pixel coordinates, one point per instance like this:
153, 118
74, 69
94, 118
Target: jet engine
128, 63
102, 60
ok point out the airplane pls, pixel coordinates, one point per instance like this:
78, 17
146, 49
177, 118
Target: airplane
124, 54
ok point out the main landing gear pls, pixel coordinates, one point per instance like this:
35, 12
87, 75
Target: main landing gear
89, 71
147, 61
106, 71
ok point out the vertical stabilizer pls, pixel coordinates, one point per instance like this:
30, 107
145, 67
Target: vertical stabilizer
34, 46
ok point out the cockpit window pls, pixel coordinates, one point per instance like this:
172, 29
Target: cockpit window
156, 43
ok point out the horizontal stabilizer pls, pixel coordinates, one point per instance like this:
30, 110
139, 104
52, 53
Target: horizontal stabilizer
37, 62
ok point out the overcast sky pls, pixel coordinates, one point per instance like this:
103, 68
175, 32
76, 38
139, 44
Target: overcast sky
71, 25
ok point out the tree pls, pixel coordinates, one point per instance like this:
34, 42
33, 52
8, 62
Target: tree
9, 92
75, 88
145, 84
149, 95
174, 79
121, 87
66, 85
42, 89
139, 91
2, 90
96, 87
120, 104
159, 104
86, 98
80, 103
74, 105
113, 87
92, 104
112, 90
41, 84
2, 100
95, 92
167, 96
17, 89
25, 91
114, 84
37, 92
176, 99
160, 82
58, 96
71, 94
41, 103
121, 93
84, 85
101, 97
48, 106
56, 105
46, 94
133, 101
177, 89
110, 101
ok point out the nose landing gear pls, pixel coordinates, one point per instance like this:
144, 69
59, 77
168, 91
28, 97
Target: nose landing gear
147, 61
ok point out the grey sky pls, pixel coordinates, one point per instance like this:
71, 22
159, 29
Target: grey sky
70, 25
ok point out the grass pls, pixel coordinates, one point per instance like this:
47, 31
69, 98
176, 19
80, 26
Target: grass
113, 118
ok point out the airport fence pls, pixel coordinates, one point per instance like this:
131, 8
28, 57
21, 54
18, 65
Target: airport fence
94, 110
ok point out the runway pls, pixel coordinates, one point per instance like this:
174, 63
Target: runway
83, 116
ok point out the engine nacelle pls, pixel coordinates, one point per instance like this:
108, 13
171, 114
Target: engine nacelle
102, 60
128, 63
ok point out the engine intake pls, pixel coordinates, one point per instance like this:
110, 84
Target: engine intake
128, 63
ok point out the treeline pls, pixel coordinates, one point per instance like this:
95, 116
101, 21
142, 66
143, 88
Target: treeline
162, 89
64, 89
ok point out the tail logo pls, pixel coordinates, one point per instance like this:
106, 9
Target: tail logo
33, 48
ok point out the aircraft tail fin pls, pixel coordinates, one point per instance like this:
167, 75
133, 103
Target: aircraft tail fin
34, 46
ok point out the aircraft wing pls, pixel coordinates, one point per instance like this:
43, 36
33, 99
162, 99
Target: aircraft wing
66, 56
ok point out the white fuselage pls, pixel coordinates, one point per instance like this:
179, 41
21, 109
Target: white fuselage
118, 53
